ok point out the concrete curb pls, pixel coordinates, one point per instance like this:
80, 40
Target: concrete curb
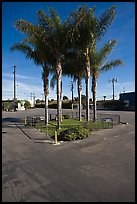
124, 123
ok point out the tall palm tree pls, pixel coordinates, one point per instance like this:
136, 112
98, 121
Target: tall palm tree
52, 34
73, 66
56, 37
33, 47
86, 29
98, 59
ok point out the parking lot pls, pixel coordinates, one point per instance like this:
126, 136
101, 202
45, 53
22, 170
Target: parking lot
100, 168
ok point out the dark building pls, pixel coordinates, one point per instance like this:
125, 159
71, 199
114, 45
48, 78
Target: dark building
128, 99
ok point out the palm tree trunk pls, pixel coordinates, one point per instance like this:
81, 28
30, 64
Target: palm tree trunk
61, 103
94, 97
87, 99
87, 83
79, 97
59, 76
46, 92
46, 109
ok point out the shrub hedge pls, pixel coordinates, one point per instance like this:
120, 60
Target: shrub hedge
73, 134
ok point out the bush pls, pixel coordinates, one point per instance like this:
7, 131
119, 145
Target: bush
27, 105
66, 116
40, 105
73, 134
66, 105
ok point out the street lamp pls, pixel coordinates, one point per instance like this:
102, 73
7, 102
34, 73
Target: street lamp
113, 81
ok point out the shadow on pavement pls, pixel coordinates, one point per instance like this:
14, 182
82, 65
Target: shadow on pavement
4, 120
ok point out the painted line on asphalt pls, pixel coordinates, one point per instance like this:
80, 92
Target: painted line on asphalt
130, 133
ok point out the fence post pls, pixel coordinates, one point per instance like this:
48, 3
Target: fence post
32, 121
25, 121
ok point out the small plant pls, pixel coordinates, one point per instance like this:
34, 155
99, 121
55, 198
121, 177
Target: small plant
66, 116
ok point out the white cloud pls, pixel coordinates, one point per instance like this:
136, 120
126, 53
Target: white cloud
9, 75
23, 90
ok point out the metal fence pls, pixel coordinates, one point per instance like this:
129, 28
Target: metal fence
109, 118
103, 122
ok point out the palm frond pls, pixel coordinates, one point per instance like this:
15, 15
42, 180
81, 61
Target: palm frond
25, 27
53, 81
26, 49
44, 20
110, 65
103, 53
105, 21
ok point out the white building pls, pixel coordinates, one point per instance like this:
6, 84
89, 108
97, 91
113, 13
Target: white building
32, 102
21, 106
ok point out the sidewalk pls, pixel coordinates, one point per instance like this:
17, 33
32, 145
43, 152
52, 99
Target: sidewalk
33, 133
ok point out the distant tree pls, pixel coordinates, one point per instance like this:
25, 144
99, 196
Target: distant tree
6, 105
65, 98
27, 105
38, 101
76, 98
83, 97
18, 101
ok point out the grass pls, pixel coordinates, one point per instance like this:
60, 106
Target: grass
52, 126
50, 129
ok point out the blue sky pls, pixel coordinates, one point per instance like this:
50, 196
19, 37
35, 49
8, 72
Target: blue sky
28, 75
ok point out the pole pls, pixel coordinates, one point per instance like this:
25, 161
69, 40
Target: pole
113, 81
14, 72
113, 89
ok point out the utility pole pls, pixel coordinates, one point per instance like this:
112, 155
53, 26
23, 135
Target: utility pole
113, 81
14, 72
123, 89
31, 96
33, 99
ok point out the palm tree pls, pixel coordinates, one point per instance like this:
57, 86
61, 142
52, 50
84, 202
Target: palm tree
97, 66
56, 37
73, 66
86, 29
50, 34
34, 48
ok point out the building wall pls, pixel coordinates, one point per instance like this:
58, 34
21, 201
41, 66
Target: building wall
130, 97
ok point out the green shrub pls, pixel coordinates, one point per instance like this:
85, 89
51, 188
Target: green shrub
66, 116
73, 134
27, 105
40, 105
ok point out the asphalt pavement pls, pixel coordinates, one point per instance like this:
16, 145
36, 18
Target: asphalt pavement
100, 168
